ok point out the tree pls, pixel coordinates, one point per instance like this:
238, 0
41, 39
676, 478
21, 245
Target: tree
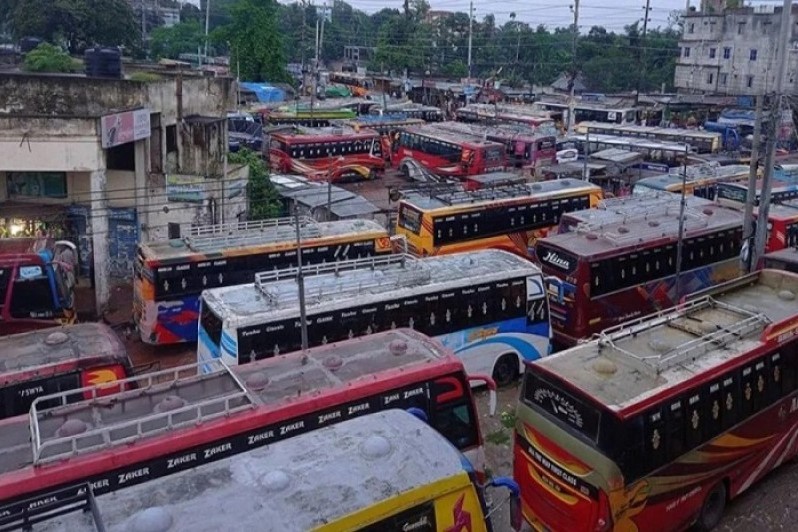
190, 13
264, 202
48, 58
185, 37
255, 43
79, 24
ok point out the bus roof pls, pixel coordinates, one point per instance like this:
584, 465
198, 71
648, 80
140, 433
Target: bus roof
448, 197
613, 210
786, 210
431, 131
33, 350
323, 134
632, 142
368, 280
253, 394
775, 185
502, 131
657, 224
788, 255
628, 366
228, 238
297, 485
647, 130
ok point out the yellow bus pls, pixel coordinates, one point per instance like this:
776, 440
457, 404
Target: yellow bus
510, 217
383, 472
702, 180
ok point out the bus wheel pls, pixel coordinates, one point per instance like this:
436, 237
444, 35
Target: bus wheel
506, 370
713, 508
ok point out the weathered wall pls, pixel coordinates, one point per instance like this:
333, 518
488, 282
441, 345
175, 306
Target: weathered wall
202, 146
49, 144
58, 95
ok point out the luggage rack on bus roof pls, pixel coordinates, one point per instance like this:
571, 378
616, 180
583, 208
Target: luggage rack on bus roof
503, 191
409, 273
620, 210
255, 232
711, 336
149, 404
62, 501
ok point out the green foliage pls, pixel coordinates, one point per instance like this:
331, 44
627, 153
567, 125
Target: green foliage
145, 77
264, 202
78, 24
254, 41
181, 38
508, 418
498, 437
49, 58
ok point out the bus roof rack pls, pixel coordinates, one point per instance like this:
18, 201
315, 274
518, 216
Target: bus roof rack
710, 336
158, 402
396, 271
670, 226
59, 502
503, 191
244, 233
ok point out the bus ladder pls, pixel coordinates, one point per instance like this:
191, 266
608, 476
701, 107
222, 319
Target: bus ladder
397, 271
221, 394
58, 502
749, 322
255, 232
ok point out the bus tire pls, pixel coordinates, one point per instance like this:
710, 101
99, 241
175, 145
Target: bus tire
713, 508
505, 372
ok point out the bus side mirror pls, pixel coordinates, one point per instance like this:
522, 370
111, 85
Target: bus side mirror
491, 384
515, 499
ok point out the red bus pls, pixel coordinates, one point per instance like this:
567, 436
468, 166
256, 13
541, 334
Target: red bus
388, 126
659, 422
623, 267
323, 154
523, 145
782, 225
784, 259
446, 154
177, 419
48, 361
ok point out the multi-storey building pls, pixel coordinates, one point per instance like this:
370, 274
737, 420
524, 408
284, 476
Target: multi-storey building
733, 51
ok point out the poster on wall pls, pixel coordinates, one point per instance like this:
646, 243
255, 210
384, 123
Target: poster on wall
185, 188
121, 128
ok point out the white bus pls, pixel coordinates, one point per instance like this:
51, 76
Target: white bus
488, 306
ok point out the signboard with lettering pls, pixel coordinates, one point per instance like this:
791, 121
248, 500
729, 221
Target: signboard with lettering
185, 188
121, 128
557, 259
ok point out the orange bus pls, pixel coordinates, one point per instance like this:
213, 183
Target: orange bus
510, 217
659, 422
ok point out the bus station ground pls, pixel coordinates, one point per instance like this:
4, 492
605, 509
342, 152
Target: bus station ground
770, 505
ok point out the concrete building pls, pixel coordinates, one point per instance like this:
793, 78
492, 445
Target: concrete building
734, 51
111, 162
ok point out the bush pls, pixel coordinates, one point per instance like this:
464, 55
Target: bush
264, 202
145, 77
49, 58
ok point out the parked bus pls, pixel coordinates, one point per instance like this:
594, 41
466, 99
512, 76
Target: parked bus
488, 306
318, 117
702, 141
446, 154
702, 180
660, 422
327, 154
735, 194
508, 217
170, 274
47, 361
541, 122
388, 127
177, 419
387, 472
427, 113
784, 259
593, 112
671, 153
523, 146
782, 225
620, 209
37, 284
356, 83
610, 272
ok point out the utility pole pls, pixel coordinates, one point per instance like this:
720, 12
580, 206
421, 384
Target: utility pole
207, 25
773, 123
470, 36
680, 241
304, 67
748, 220
300, 281
641, 56
572, 96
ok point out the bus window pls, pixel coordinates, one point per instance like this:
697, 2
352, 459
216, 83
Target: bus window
409, 219
31, 296
212, 324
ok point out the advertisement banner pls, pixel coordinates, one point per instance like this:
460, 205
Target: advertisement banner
185, 188
121, 128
